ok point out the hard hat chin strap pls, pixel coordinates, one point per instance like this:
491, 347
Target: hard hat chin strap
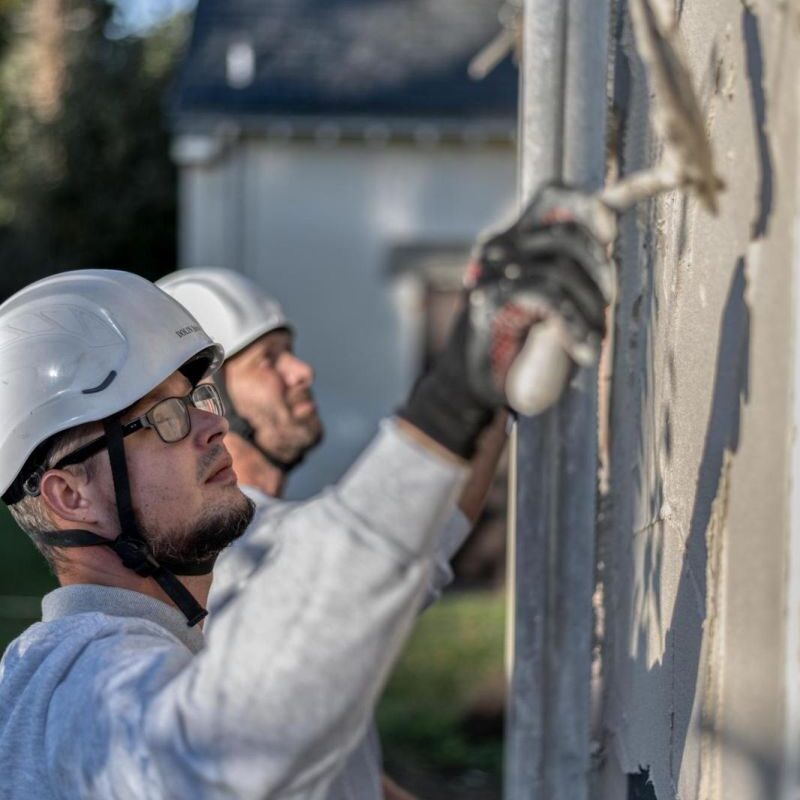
133, 551
135, 555
242, 427
130, 545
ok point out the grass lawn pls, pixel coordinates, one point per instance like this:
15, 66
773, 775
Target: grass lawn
24, 578
427, 716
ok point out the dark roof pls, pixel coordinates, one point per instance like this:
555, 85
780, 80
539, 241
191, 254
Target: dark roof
368, 60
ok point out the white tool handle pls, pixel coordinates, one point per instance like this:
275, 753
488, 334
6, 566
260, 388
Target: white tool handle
640, 186
540, 371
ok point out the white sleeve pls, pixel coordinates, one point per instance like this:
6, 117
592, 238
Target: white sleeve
237, 563
295, 660
452, 536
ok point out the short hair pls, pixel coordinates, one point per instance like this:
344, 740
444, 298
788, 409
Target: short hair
31, 512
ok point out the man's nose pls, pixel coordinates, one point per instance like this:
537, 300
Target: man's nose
207, 426
296, 372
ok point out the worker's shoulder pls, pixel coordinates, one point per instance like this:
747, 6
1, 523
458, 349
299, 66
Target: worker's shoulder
85, 644
67, 684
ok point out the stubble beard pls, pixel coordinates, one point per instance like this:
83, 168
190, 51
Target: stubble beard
204, 540
289, 439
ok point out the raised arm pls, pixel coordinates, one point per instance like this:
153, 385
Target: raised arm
292, 666
468, 509
296, 659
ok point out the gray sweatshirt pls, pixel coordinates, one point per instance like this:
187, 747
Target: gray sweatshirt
107, 698
360, 775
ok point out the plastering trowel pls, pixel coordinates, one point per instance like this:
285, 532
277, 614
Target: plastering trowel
544, 365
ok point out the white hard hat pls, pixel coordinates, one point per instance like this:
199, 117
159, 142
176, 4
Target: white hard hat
234, 309
80, 346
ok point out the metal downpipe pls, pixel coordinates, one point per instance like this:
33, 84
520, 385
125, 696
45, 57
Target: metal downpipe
562, 137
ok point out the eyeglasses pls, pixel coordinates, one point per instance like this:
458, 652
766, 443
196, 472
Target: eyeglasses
169, 418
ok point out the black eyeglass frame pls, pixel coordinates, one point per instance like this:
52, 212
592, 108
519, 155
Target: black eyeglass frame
145, 421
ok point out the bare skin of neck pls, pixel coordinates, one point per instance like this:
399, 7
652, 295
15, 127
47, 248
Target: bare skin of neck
100, 566
252, 469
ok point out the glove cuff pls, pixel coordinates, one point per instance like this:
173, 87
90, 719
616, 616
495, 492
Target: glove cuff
438, 411
444, 405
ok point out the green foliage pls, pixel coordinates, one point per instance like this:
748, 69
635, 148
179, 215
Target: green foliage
7, 10
93, 186
455, 652
24, 577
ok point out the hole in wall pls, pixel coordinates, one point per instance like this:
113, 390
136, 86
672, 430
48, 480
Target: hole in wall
639, 786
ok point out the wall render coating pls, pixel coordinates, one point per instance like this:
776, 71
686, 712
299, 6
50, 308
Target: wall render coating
695, 547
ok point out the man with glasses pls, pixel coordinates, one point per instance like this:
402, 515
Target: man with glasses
273, 424
114, 694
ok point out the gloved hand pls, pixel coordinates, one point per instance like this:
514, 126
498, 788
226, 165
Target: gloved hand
542, 287
550, 268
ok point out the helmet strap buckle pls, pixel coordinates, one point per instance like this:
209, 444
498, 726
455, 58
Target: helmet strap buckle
135, 555
32, 484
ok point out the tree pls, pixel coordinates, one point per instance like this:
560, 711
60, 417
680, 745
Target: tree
85, 173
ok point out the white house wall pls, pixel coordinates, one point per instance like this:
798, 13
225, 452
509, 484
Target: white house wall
695, 551
316, 224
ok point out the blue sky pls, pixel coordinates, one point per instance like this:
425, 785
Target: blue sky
136, 16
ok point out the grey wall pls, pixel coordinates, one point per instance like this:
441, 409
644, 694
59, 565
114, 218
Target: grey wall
316, 224
695, 547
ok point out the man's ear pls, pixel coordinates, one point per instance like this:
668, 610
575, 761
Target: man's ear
66, 496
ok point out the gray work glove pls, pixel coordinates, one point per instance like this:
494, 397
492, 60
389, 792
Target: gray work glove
549, 267
548, 274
